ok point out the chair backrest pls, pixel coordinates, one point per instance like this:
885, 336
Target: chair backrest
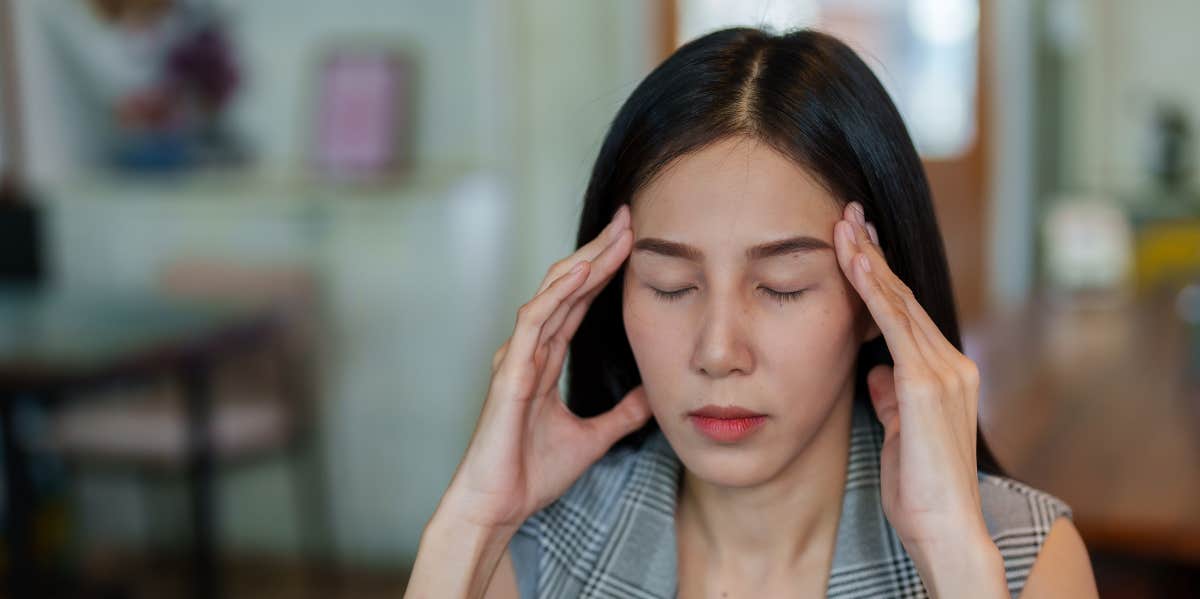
290, 289
22, 244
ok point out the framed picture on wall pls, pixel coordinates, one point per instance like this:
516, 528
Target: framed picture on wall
363, 125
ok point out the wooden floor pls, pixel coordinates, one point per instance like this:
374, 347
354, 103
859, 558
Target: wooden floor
113, 575
117, 575
1124, 577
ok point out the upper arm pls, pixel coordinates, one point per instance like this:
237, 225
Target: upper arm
1062, 568
503, 584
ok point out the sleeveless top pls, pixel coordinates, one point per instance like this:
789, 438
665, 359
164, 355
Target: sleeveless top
612, 534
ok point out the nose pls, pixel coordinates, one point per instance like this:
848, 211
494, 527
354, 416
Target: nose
721, 349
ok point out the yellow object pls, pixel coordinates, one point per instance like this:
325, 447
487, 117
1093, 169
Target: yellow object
1167, 253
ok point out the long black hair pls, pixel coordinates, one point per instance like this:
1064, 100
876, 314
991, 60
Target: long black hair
811, 98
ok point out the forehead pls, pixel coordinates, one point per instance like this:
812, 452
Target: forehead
737, 189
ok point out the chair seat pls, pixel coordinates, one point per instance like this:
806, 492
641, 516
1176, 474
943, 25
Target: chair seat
155, 432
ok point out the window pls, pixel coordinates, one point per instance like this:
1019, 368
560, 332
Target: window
924, 52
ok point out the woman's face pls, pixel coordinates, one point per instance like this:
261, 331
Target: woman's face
726, 339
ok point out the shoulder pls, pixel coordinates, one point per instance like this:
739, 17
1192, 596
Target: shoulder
1063, 567
1020, 520
1018, 512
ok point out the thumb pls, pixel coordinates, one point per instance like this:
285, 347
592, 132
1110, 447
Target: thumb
627, 416
882, 387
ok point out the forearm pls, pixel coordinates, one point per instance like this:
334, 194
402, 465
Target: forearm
455, 558
968, 566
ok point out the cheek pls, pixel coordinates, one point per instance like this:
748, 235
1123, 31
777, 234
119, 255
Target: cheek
644, 338
657, 346
813, 341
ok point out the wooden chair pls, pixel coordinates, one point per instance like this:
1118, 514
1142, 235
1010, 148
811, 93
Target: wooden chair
263, 401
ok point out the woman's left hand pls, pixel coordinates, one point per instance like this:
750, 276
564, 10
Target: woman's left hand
928, 404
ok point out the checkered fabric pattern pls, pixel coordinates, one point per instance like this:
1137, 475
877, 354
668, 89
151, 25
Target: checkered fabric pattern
612, 534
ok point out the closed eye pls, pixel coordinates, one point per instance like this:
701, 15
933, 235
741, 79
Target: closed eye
782, 296
671, 296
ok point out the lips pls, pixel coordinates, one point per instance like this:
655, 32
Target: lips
726, 424
723, 413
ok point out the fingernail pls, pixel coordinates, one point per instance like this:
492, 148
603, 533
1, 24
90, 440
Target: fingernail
874, 235
860, 213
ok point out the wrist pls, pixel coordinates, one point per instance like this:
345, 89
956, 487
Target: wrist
962, 565
449, 522
456, 556
486, 515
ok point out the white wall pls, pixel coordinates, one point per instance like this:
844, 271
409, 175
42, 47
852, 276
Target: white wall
1126, 56
514, 97
576, 63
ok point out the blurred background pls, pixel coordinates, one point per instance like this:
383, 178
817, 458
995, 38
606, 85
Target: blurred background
256, 256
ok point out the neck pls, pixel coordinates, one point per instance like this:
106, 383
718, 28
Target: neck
788, 522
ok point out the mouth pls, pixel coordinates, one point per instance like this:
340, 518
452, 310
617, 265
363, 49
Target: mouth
726, 424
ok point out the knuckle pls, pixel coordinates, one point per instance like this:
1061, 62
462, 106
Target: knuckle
525, 311
516, 382
555, 269
969, 371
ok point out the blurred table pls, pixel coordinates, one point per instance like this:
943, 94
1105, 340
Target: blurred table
1101, 407
54, 344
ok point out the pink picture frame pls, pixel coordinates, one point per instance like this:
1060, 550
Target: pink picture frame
363, 124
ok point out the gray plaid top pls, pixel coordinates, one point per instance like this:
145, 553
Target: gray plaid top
612, 534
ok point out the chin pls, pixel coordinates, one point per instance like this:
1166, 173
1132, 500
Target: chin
736, 465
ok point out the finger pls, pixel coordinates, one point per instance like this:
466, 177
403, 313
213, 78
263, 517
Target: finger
602, 270
589, 251
926, 334
889, 315
530, 319
574, 318
931, 373
946, 363
881, 386
561, 326
557, 346
556, 353
499, 355
930, 336
627, 416
553, 344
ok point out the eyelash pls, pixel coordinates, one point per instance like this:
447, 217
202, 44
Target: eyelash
782, 296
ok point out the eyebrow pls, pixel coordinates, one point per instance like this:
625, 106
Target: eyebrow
674, 249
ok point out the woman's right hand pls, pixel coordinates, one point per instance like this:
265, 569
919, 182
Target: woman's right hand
528, 448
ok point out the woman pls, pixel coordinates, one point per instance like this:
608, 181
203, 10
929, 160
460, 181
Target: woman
766, 392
